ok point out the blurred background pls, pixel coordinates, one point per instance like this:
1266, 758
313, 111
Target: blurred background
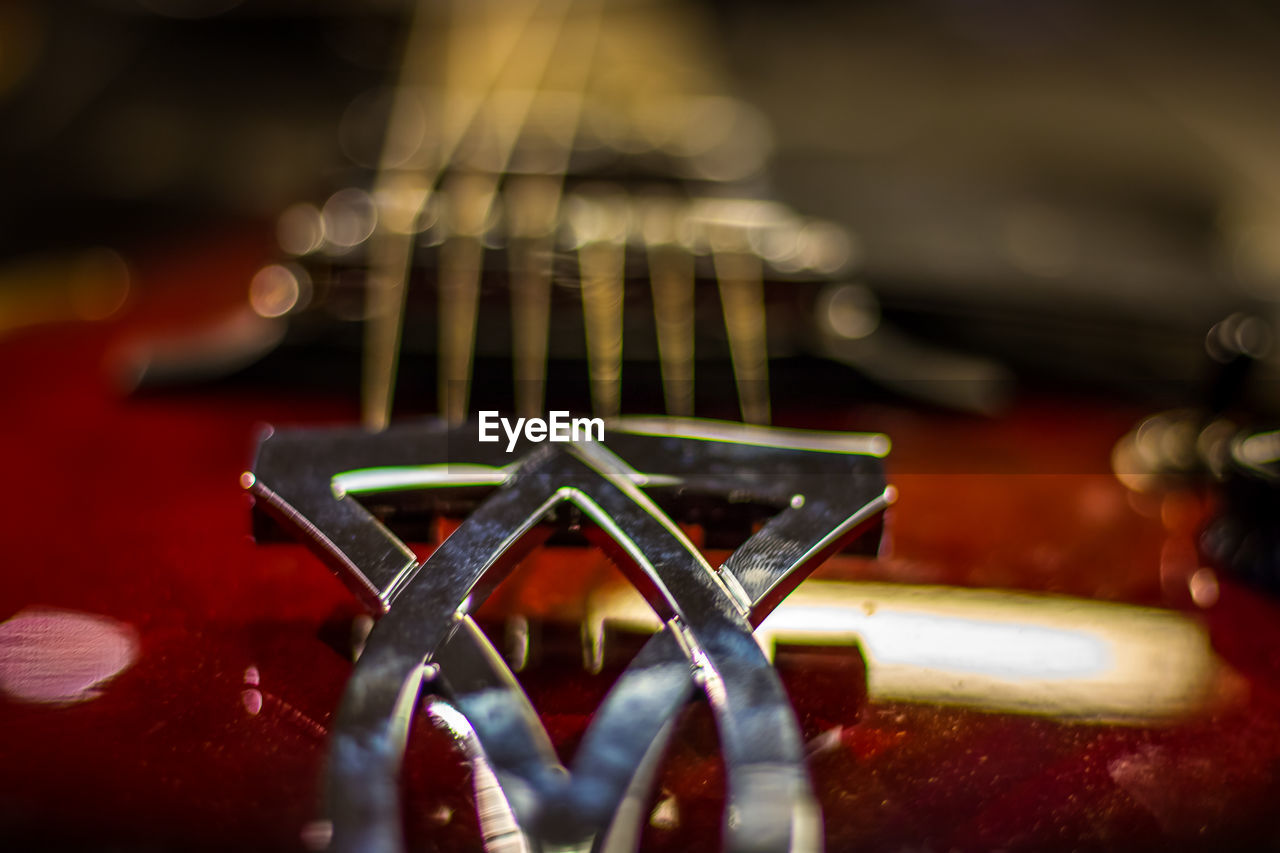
1077, 190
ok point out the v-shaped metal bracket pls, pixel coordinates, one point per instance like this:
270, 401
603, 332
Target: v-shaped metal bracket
826, 489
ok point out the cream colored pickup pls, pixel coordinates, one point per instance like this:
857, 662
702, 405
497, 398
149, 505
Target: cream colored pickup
984, 649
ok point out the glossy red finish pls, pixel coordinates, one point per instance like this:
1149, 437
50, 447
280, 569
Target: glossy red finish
129, 508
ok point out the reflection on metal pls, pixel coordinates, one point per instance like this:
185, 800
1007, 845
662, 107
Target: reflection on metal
347, 219
499, 830
666, 814
412, 477
701, 429
1174, 446
851, 310
279, 289
1239, 335
995, 651
300, 229
707, 612
1203, 586
1259, 449
402, 477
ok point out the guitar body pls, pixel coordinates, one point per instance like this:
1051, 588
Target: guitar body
169, 683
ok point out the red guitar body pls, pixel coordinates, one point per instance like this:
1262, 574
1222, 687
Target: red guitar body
204, 722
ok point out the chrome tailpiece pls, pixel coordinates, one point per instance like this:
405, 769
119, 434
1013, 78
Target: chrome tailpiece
808, 494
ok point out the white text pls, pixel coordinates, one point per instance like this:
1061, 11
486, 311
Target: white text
557, 426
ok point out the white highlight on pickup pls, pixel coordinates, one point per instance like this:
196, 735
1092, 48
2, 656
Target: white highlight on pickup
557, 426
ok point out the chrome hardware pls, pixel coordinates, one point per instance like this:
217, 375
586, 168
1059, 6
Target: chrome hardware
824, 489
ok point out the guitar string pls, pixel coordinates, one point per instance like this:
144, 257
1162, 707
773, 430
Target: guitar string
738, 271
534, 203
404, 188
471, 196
740, 277
462, 255
672, 283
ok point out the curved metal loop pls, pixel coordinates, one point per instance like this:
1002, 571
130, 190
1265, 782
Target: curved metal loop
827, 494
758, 732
